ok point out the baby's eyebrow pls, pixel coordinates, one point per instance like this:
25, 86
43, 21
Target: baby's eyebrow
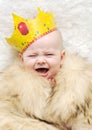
46, 52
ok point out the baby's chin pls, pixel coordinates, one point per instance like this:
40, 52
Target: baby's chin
49, 77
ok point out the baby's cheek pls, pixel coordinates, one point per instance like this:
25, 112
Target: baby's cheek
56, 70
28, 66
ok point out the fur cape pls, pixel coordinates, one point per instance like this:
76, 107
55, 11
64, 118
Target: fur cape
27, 102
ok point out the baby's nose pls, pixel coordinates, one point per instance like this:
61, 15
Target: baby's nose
41, 60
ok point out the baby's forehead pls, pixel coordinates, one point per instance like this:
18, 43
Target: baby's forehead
52, 40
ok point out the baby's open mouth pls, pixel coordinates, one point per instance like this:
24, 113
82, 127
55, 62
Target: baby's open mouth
42, 70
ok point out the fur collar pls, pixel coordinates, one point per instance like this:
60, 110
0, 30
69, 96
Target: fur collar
31, 94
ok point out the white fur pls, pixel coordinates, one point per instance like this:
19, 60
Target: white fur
23, 97
71, 101
26, 98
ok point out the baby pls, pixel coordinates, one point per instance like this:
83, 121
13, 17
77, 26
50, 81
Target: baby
45, 56
46, 88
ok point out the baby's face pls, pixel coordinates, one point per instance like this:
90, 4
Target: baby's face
44, 56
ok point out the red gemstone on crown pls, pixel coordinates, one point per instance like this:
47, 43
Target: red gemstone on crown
23, 28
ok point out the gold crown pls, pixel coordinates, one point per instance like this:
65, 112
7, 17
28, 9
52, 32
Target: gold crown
27, 31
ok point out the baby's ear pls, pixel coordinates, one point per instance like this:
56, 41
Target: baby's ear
21, 57
63, 53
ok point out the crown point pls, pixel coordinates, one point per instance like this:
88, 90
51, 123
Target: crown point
14, 15
39, 10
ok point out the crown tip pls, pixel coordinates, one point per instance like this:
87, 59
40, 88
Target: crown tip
39, 9
14, 15
7, 40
